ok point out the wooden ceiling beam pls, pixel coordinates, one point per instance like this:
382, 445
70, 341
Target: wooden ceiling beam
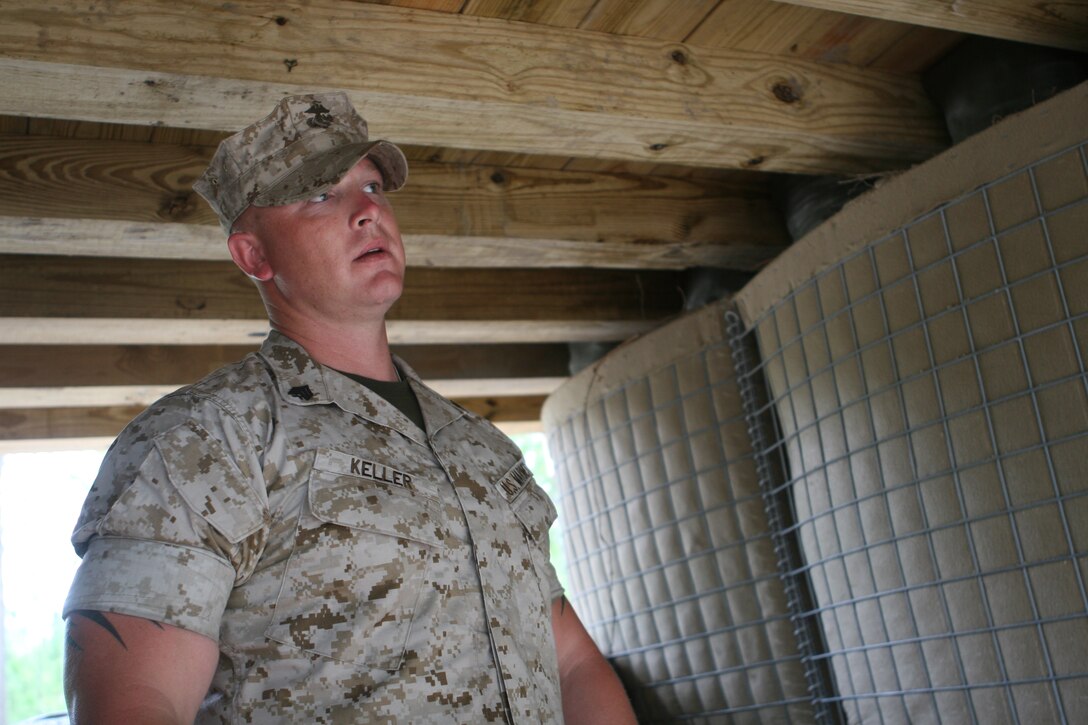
108, 365
117, 238
1056, 24
125, 199
81, 422
27, 366
212, 331
464, 82
72, 300
502, 411
34, 376
103, 396
35, 424
90, 287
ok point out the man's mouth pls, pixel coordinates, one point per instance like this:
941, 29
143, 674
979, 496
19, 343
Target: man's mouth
371, 252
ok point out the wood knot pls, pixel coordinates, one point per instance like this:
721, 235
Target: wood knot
281, 21
498, 178
678, 56
290, 63
754, 161
658, 146
785, 92
192, 304
178, 206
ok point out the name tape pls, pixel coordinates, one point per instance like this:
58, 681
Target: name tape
347, 465
515, 481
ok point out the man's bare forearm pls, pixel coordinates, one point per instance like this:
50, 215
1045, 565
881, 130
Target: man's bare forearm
120, 668
592, 692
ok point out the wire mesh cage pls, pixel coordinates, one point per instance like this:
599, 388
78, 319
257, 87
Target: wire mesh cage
861, 494
671, 560
933, 405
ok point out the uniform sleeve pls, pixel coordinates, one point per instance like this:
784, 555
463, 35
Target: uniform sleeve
550, 577
174, 520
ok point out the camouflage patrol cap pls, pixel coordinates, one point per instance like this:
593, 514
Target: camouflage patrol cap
302, 148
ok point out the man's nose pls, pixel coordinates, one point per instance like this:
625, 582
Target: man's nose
366, 209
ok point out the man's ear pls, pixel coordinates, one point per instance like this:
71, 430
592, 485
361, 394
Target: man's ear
247, 252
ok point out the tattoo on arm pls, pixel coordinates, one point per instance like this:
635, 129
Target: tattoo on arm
100, 619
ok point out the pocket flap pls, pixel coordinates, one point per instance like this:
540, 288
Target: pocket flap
210, 481
346, 493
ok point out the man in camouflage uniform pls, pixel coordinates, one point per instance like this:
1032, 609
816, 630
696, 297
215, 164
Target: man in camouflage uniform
312, 534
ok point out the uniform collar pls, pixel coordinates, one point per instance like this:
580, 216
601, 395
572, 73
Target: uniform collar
438, 411
303, 381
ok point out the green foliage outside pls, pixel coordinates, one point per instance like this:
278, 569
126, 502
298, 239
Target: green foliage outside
34, 679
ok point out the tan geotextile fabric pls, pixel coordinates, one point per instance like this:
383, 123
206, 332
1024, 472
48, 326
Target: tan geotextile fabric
926, 355
671, 564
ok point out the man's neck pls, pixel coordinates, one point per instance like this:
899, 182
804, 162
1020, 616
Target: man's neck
362, 349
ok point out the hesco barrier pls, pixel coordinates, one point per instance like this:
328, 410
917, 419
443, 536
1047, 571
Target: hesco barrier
860, 494
670, 556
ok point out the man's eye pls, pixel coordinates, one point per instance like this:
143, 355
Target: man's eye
323, 196
372, 187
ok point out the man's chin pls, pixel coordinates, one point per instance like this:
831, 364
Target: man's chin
385, 293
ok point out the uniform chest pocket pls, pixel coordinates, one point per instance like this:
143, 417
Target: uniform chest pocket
536, 513
530, 504
358, 571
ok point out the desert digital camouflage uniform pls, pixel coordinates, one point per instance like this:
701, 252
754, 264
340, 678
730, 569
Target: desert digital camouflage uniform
352, 567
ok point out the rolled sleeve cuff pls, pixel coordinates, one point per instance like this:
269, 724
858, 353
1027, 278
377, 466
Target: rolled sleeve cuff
551, 580
167, 583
